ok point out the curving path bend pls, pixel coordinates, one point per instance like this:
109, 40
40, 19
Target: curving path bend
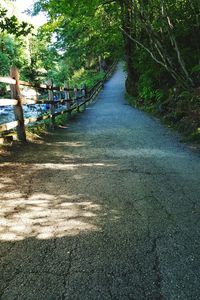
106, 208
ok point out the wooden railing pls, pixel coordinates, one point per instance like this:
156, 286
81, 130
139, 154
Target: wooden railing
72, 102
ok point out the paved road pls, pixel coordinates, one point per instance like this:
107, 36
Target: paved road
107, 207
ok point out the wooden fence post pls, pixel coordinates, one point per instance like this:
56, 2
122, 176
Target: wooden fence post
67, 95
75, 94
51, 98
84, 94
76, 97
18, 109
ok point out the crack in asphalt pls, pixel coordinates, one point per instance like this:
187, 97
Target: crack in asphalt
65, 278
157, 269
63, 275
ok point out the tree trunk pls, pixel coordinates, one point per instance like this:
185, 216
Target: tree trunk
129, 45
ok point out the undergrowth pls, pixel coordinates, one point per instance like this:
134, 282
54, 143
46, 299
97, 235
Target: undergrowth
181, 112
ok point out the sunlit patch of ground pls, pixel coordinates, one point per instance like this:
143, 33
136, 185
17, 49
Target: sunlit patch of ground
35, 201
45, 216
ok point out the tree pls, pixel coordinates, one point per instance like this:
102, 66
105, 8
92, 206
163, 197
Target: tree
12, 25
83, 30
158, 26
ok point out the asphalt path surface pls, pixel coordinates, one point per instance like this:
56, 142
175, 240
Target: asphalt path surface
107, 207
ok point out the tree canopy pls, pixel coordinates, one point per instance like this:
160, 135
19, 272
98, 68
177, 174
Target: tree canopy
159, 41
12, 25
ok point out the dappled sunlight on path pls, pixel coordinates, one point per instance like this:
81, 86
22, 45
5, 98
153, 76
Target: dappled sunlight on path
37, 204
45, 217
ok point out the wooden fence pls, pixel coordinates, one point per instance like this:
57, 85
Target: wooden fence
71, 102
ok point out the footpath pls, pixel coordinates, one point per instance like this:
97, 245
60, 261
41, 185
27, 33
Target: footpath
106, 207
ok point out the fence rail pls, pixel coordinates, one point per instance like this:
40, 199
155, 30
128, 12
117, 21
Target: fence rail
17, 101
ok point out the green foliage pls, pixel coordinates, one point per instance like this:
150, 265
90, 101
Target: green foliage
61, 120
84, 30
145, 86
196, 69
4, 63
149, 83
12, 25
73, 39
87, 77
11, 53
185, 95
